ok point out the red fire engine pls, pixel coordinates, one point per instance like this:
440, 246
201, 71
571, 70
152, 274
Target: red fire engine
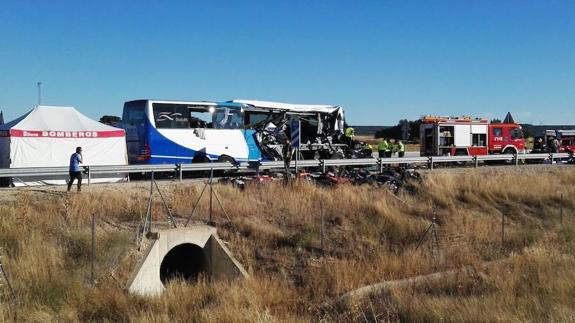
566, 139
461, 136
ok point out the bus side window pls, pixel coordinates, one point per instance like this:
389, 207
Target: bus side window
200, 119
228, 119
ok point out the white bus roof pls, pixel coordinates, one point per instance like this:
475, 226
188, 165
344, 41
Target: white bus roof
321, 108
178, 102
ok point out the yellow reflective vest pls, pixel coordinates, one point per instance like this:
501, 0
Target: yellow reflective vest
400, 147
349, 132
383, 145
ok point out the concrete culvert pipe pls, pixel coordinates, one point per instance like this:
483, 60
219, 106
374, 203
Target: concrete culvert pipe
185, 261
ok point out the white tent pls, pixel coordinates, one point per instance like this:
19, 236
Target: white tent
47, 136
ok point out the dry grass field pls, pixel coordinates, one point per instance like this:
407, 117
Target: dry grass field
370, 236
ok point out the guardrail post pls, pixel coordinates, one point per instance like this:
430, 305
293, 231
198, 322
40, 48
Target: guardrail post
322, 163
180, 171
89, 175
430, 162
476, 161
551, 158
380, 164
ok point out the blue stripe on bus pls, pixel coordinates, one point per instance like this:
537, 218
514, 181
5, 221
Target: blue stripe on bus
254, 152
160, 145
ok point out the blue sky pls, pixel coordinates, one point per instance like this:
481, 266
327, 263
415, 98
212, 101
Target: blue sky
381, 60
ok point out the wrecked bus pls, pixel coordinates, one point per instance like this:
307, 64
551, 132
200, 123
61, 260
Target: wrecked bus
322, 128
173, 132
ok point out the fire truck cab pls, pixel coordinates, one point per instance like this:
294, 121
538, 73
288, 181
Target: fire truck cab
566, 141
461, 136
506, 138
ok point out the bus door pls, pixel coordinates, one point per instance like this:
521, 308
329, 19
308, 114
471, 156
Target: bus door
227, 136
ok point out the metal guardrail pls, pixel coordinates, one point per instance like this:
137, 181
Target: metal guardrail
179, 169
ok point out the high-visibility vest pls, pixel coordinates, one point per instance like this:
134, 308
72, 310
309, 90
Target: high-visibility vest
401, 147
383, 145
349, 132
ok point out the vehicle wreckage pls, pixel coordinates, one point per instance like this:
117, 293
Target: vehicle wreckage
322, 129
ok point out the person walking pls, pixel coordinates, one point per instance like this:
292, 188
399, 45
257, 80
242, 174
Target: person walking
75, 171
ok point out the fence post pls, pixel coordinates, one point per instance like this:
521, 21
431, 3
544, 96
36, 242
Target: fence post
561, 210
322, 230
92, 276
502, 229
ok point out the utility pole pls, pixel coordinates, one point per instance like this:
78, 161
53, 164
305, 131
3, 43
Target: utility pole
39, 92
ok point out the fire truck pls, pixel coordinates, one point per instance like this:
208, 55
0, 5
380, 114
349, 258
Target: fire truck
541, 144
466, 136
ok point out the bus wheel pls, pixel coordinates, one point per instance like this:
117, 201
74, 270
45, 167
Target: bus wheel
461, 153
509, 151
227, 159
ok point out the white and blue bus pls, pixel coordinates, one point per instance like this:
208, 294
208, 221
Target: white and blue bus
173, 132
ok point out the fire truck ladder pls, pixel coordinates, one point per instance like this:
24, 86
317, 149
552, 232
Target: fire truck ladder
4, 281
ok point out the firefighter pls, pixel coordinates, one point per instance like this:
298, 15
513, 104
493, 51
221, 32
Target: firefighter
366, 150
382, 147
389, 150
553, 144
348, 134
557, 145
400, 148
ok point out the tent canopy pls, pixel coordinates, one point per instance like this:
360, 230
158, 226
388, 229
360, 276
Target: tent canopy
47, 136
48, 118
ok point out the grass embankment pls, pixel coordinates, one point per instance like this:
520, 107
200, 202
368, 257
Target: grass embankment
370, 237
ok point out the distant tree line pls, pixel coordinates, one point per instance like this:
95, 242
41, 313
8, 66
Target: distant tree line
110, 120
404, 130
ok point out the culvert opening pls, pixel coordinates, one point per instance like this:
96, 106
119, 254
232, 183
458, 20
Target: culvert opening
185, 261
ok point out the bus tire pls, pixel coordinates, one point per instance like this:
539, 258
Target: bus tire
461, 153
228, 159
510, 151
